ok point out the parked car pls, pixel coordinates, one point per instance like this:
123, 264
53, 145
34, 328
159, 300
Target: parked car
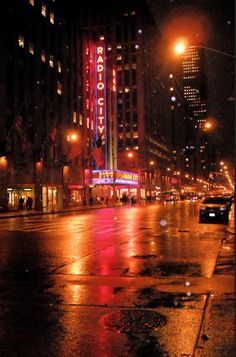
215, 209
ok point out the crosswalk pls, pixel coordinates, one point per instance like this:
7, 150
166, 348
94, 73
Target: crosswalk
53, 226
50, 226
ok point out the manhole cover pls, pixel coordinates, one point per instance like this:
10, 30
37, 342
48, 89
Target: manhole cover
132, 321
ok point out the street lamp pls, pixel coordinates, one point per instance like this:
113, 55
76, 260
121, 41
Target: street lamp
182, 44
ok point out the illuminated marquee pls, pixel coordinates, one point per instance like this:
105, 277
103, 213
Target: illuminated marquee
116, 177
101, 108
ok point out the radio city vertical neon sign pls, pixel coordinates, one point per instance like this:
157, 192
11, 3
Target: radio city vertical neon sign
113, 79
101, 99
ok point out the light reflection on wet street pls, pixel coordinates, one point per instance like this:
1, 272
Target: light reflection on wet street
61, 274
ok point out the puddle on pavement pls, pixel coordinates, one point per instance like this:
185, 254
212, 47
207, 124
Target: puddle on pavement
155, 269
151, 298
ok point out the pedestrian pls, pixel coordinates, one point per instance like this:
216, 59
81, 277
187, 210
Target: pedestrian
28, 203
133, 201
21, 203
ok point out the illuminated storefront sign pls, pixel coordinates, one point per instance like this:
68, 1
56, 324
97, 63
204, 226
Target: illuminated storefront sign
123, 177
101, 102
116, 177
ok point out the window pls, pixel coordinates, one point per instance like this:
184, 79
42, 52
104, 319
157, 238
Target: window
59, 66
59, 88
43, 10
31, 48
74, 117
80, 119
52, 17
21, 41
51, 61
43, 56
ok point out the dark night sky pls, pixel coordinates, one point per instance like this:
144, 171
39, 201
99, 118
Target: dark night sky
213, 26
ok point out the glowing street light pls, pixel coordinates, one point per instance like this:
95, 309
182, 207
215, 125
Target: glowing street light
72, 136
180, 46
208, 125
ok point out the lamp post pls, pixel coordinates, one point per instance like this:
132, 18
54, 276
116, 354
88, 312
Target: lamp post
72, 138
182, 44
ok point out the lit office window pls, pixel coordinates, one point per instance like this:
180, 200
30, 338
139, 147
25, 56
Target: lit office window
43, 10
52, 17
59, 88
31, 48
80, 119
51, 61
74, 117
43, 56
21, 41
59, 66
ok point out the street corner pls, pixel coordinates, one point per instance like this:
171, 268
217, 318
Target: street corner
218, 332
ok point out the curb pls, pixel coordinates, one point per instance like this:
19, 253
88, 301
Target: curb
29, 214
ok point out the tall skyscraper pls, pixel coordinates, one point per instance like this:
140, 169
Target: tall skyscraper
194, 83
195, 93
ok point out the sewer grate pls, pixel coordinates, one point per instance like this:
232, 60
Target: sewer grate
132, 321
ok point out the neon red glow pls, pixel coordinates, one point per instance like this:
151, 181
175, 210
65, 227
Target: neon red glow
100, 90
114, 80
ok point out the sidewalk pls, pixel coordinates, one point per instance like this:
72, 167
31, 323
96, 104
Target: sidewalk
25, 213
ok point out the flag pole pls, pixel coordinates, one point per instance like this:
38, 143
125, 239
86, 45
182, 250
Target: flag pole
15, 118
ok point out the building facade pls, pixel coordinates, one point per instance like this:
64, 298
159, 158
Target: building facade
51, 113
195, 93
130, 38
39, 103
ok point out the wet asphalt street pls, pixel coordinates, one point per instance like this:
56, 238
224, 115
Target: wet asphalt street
121, 281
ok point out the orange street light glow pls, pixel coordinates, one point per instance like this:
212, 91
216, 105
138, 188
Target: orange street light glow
74, 137
208, 125
180, 46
